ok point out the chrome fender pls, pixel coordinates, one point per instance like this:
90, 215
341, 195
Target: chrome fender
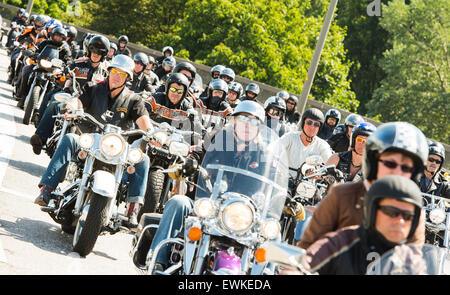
104, 183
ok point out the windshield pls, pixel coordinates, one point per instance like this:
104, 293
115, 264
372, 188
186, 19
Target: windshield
412, 259
258, 171
49, 52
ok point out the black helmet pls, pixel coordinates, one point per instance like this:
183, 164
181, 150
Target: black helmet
216, 68
72, 32
436, 148
395, 187
312, 113
180, 79
141, 58
364, 129
60, 32
218, 84
333, 113
123, 38
170, 62
99, 45
399, 137
253, 87
188, 67
294, 98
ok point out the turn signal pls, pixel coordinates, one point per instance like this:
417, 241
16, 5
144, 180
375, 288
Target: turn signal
82, 155
195, 234
62, 79
131, 169
260, 255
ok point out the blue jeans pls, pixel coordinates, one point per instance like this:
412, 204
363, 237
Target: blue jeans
45, 127
48, 98
67, 151
176, 210
301, 226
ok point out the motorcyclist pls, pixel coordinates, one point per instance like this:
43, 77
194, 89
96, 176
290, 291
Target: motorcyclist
112, 52
18, 18
350, 162
141, 81
251, 92
14, 32
243, 130
127, 108
433, 182
332, 118
292, 116
86, 71
154, 80
122, 46
228, 75
30, 34
284, 95
186, 69
72, 33
216, 102
234, 92
215, 71
166, 68
51, 25
275, 107
167, 51
340, 142
57, 40
392, 209
394, 148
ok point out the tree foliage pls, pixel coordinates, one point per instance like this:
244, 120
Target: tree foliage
416, 87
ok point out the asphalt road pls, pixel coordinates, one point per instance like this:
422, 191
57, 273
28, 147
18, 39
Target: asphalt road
31, 243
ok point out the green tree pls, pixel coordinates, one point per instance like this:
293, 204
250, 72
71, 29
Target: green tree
416, 87
268, 41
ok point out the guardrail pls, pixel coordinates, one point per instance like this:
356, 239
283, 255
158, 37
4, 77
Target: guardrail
8, 12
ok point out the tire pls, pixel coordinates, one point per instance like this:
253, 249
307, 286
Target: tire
30, 107
155, 187
92, 225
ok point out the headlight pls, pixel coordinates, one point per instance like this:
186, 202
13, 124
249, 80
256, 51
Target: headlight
437, 216
135, 156
180, 148
203, 208
238, 217
112, 145
160, 137
306, 190
45, 64
270, 229
86, 140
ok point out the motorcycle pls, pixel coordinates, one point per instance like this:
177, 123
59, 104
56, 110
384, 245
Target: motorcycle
235, 212
437, 222
307, 188
87, 202
47, 74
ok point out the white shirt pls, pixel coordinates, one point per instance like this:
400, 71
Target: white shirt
297, 152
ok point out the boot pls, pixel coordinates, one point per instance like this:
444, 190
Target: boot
132, 214
44, 197
37, 143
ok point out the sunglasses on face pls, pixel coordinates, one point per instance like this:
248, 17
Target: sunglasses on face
246, 119
431, 160
311, 122
395, 212
290, 102
121, 74
361, 140
393, 165
179, 91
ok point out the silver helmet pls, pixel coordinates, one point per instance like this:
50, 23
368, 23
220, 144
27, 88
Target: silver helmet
124, 63
250, 107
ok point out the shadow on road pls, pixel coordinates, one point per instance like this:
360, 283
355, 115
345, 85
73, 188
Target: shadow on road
43, 235
28, 167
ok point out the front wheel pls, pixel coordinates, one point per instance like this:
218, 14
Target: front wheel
89, 224
153, 194
31, 105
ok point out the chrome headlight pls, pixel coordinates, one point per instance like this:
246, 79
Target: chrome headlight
203, 208
112, 145
179, 148
135, 155
86, 140
237, 217
437, 216
306, 190
45, 64
270, 229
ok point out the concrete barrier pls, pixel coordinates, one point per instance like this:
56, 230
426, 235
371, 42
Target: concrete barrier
8, 12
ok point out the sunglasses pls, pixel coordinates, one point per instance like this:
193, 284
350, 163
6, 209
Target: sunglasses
395, 212
179, 91
246, 119
121, 74
290, 102
393, 165
435, 161
311, 122
361, 140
